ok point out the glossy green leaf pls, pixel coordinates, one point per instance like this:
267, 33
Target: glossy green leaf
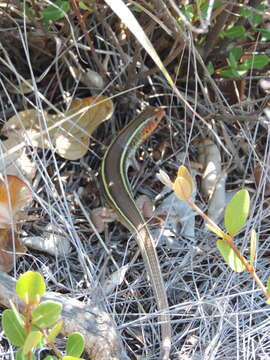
30, 287
234, 32
46, 313
21, 356
265, 34
236, 52
229, 256
13, 329
33, 338
236, 212
75, 345
55, 331
53, 13
257, 61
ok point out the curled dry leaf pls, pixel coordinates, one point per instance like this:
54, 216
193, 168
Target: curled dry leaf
14, 196
144, 203
84, 116
183, 185
67, 134
9, 242
165, 179
262, 179
16, 163
209, 156
51, 242
92, 79
29, 127
115, 279
217, 201
102, 215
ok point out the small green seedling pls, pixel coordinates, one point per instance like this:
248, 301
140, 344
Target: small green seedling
235, 217
39, 324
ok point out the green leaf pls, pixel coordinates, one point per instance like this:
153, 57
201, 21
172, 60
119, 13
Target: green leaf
234, 32
53, 13
232, 61
30, 287
83, 6
21, 356
236, 52
257, 61
71, 358
13, 330
75, 345
229, 256
229, 74
245, 13
46, 313
55, 331
210, 68
236, 212
51, 357
188, 11
136, 9
256, 18
33, 338
265, 34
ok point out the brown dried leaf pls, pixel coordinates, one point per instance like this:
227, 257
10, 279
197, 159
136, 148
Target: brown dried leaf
72, 139
14, 197
9, 241
29, 126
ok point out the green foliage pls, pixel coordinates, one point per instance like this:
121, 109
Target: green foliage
230, 256
20, 355
197, 10
235, 32
236, 69
31, 330
30, 287
55, 12
13, 328
75, 345
54, 331
32, 339
236, 212
46, 313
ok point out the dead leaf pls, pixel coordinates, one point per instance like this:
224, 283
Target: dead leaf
16, 163
262, 179
29, 126
102, 215
9, 242
115, 279
51, 242
14, 197
209, 157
